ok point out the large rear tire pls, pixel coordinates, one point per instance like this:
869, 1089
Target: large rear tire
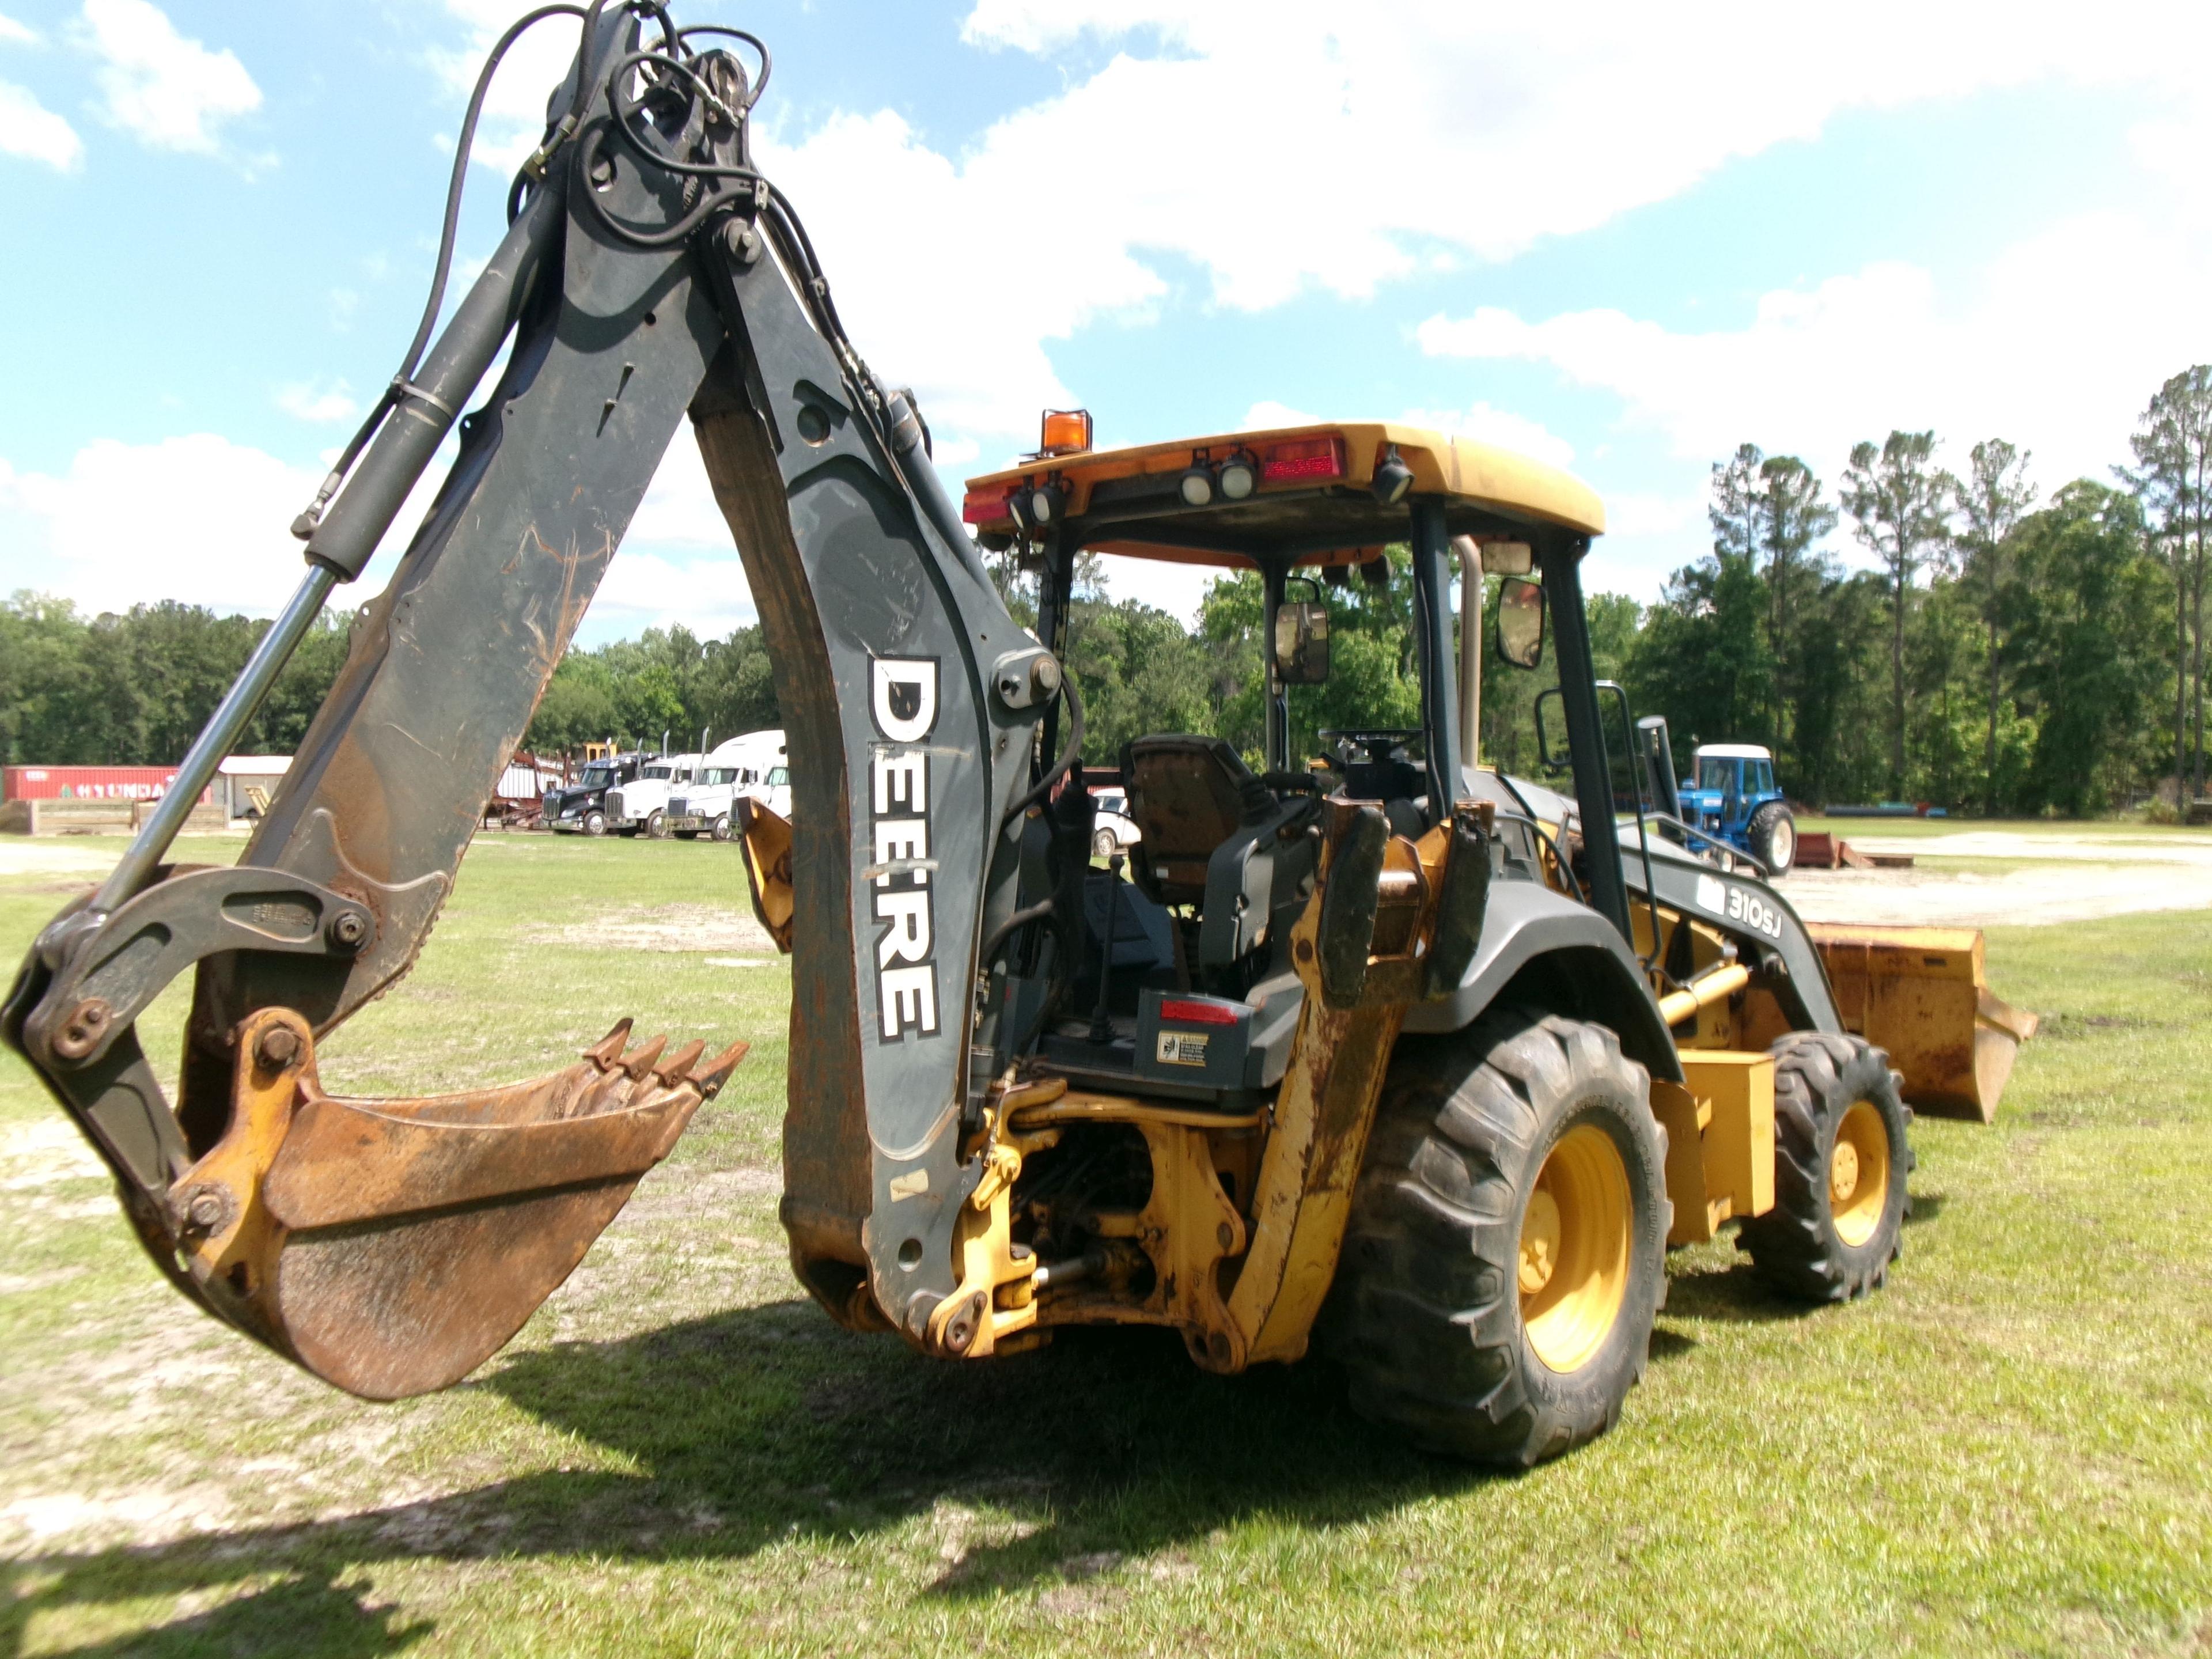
1841, 1157
1772, 833
1506, 1252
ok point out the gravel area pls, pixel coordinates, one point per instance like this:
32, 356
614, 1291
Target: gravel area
2064, 878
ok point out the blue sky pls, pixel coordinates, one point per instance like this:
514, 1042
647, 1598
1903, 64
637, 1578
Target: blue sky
1621, 237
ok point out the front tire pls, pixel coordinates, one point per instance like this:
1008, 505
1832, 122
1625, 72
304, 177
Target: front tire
595, 823
1506, 1252
1772, 833
1103, 844
719, 830
656, 827
1840, 1164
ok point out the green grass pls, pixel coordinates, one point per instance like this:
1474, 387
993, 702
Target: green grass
2005, 1452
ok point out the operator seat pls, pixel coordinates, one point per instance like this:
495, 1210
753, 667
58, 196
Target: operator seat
1212, 836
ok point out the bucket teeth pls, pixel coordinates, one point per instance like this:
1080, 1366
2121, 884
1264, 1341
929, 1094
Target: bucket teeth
681, 1067
677, 1067
710, 1081
640, 1060
608, 1049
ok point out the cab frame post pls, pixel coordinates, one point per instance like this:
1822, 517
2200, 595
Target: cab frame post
1432, 547
1563, 587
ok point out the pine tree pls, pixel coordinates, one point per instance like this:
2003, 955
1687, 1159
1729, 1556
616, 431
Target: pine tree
1900, 502
1994, 498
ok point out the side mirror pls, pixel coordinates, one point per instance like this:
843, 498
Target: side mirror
1521, 623
1302, 643
1507, 558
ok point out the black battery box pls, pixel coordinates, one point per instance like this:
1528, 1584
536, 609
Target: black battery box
1186, 1038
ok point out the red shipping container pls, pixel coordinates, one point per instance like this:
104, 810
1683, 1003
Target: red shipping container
89, 783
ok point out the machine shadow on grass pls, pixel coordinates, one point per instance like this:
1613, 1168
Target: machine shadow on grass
762, 1423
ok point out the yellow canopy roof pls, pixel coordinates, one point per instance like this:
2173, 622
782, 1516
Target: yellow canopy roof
1312, 502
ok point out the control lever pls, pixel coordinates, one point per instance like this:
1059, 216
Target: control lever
1101, 1025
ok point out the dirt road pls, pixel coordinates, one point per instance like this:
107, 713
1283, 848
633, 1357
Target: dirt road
1992, 877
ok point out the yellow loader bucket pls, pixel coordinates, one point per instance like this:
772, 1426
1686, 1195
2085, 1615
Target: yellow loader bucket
1922, 994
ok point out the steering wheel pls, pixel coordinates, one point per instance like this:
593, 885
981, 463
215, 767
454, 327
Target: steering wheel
1374, 742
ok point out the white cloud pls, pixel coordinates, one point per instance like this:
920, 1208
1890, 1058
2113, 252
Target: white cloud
1268, 413
2058, 343
1648, 538
514, 119
198, 519
1292, 144
679, 510
1283, 147
168, 90
1632, 512
706, 593
889, 218
15, 34
678, 563
310, 402
1177, 589
30, 130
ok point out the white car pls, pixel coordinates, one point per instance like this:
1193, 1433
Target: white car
641, 806
1112, 830
707, 804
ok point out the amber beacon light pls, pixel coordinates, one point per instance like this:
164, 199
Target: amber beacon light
1066, 432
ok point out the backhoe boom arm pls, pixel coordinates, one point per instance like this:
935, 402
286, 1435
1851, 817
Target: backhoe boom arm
651, 273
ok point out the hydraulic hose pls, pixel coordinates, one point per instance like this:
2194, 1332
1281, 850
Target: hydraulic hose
1068, 756
1006, 929
304, 525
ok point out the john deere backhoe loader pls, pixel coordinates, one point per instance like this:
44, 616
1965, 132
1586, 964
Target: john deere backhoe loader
1378, 1047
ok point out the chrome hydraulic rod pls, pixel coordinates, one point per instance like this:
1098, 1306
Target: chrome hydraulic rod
431, 402
348, 533
136, 873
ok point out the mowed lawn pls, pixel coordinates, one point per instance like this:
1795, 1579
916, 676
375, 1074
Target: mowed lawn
2009, 1450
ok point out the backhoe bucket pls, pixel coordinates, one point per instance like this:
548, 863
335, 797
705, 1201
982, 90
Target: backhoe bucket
1922, 994
391, 1246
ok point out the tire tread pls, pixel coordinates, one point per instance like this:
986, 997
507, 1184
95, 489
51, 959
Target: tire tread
1424, 1317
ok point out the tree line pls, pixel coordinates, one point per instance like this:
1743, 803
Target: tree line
2006, 654
2000, 652
134, 688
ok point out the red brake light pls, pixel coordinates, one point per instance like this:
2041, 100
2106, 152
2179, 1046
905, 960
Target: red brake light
986, 506
1197, 1013
1302, 458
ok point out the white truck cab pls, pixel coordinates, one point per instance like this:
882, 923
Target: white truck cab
640, 806
756, 765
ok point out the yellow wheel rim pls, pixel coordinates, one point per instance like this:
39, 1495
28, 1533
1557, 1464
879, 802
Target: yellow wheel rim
1575, 1248
1858, 1174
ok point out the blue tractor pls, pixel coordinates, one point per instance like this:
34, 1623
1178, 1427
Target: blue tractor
1730, 795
